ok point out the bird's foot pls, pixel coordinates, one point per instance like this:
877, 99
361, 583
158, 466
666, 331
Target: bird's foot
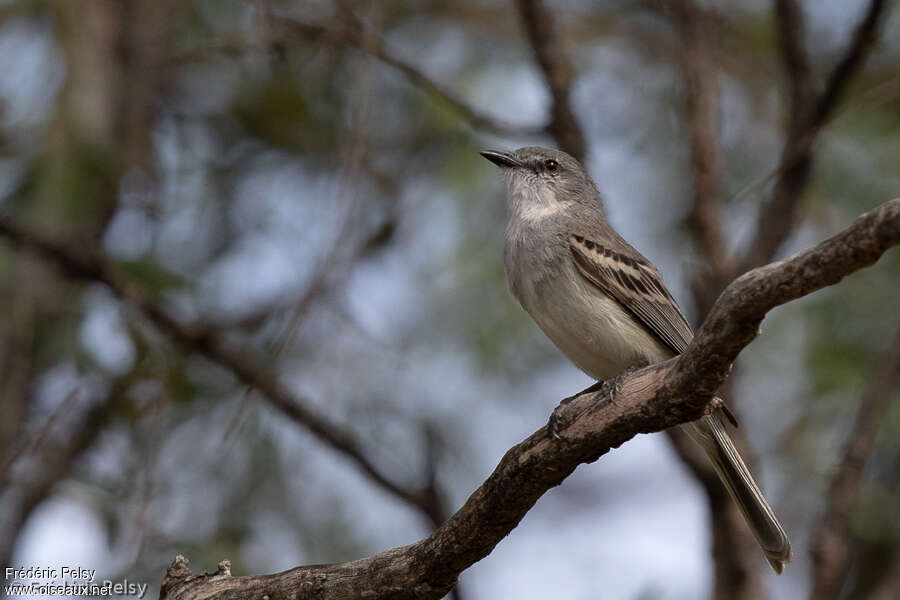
609, 388
557, 421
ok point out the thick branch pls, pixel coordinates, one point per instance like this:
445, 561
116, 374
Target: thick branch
808, 114
643, 401
541, 29
735, 552
206, 343
831, 545
753, 294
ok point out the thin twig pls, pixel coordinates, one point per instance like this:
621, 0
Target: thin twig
860, 47
376, 48
53, 454
24, 446
324, 271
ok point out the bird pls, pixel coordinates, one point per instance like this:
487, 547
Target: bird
605, 306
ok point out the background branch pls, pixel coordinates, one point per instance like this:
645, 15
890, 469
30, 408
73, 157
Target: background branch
643, 401
374, 46
209, 344
831, 546
808, 113
49, 457
540, 26
702, 115
734, 550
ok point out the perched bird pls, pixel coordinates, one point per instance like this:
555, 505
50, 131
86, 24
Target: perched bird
604, 304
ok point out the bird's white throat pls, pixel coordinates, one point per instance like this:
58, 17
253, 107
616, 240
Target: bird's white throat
532, 203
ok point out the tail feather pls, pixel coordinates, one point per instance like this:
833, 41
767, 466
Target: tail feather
710, 433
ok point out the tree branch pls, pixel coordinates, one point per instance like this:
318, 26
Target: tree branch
702, 116
792, 35
642, 401
207, 343
49, 458
735, 552
808, 114
734, 549
374, 46
860, 47
830, 548
541, 30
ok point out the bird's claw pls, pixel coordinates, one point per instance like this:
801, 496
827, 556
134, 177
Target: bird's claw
611, 387
555, 421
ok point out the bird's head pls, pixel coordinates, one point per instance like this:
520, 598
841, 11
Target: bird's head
543, 181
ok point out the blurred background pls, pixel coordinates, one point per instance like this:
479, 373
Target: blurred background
201, 195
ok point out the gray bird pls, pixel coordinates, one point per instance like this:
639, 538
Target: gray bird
604, 305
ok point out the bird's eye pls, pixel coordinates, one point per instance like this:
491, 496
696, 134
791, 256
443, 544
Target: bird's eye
551, 165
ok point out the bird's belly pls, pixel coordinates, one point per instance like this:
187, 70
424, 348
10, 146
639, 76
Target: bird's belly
594, 331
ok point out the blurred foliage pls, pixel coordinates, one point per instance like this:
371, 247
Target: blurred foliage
151, 275
270, 154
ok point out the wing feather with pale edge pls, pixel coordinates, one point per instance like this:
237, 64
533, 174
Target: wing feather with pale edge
637, 286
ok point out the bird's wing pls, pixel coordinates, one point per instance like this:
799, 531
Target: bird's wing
636, 285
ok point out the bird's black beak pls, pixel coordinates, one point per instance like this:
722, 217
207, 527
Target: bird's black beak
501, 159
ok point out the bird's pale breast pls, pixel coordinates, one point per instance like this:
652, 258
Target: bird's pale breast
594, 331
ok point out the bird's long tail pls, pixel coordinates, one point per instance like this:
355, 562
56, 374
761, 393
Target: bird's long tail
710, 433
